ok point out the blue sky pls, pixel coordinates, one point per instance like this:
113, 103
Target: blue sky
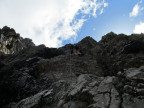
115, 18
59, 22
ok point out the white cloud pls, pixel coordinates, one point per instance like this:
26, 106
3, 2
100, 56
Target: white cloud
135, 11
139, 28
101, 11
48, 22
105, 4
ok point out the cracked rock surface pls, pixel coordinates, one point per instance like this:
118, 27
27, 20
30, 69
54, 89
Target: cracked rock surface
107, 74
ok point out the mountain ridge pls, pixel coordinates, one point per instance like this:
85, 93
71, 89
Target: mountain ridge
108, 73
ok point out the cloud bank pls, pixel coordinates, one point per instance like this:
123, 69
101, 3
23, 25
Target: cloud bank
49, 22
139, 7
139, 28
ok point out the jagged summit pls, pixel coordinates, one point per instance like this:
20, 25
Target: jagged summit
108, 37
109, 74
87, 42
11, 42
86, 39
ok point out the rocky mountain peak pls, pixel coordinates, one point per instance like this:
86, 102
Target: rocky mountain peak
108, 37
11, 42
107, 74
87, 39
87, 43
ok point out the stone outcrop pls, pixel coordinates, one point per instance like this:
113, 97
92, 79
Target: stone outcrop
11, 42
109, 74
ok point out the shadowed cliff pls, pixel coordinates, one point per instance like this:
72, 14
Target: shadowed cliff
105, 74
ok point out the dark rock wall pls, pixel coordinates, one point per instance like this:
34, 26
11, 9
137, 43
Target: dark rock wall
107, 74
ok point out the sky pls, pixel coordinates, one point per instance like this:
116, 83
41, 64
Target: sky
59, 22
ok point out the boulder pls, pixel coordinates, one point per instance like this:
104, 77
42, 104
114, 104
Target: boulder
36, 101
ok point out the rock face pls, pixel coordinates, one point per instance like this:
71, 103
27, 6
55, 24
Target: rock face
11, 42
109, 74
